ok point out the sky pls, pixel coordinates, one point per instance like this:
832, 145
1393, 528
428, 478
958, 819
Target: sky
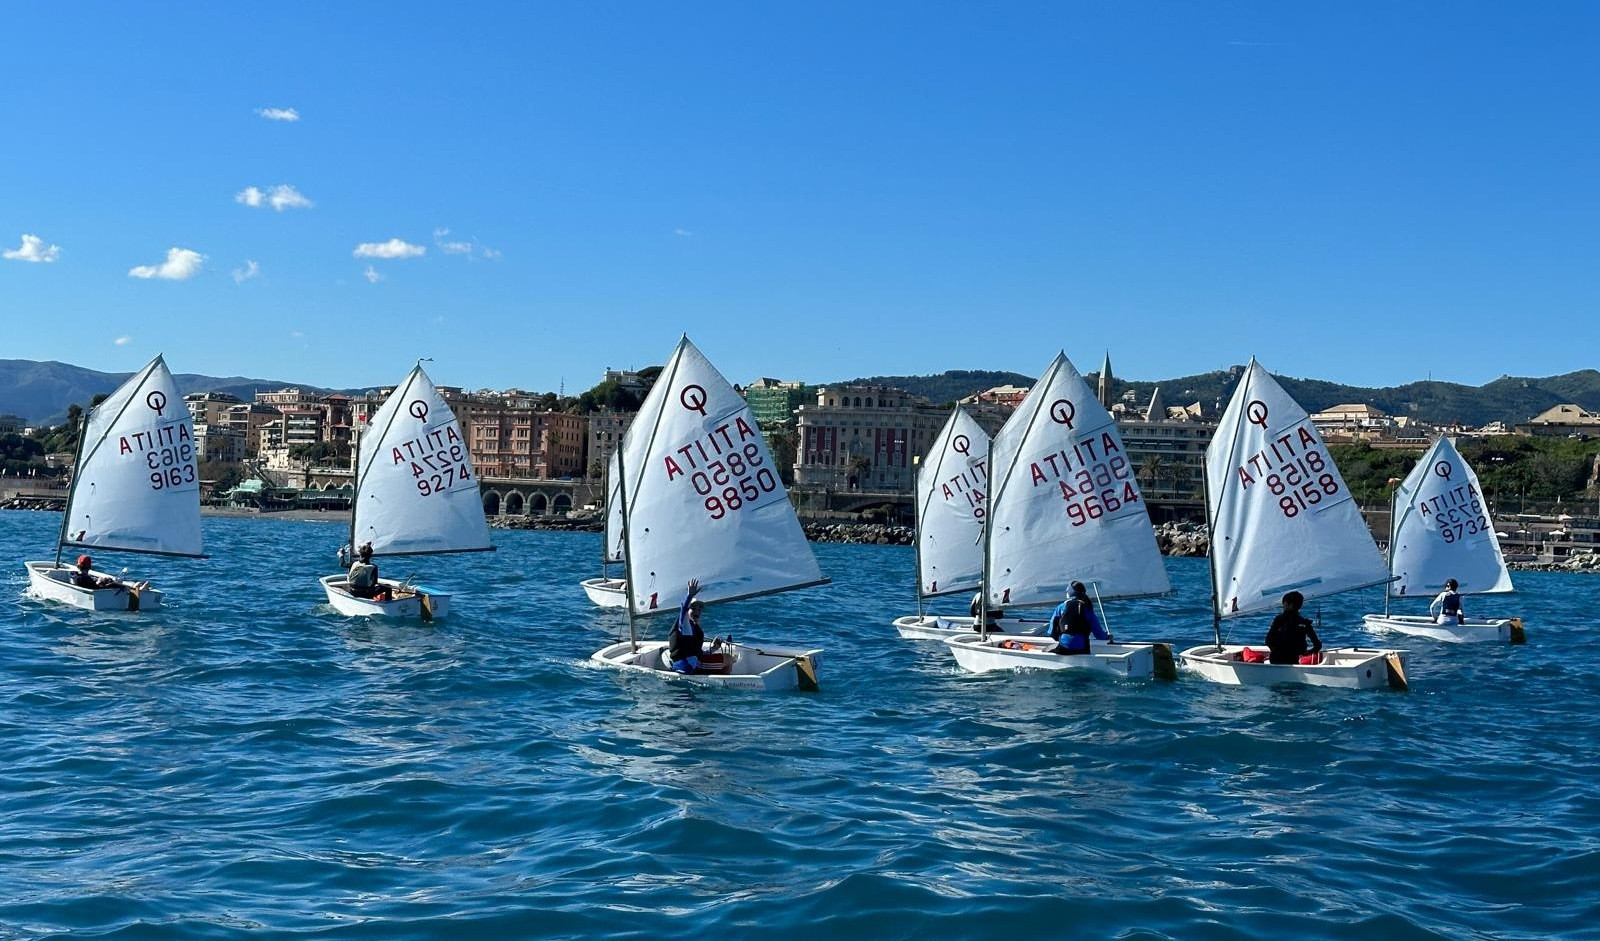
529, 193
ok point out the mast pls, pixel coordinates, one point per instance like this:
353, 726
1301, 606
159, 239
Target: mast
627, 555
983, 587
1394, 493
355, 493
77, 465
1211, 561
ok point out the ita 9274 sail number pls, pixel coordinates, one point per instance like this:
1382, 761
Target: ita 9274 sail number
448, 466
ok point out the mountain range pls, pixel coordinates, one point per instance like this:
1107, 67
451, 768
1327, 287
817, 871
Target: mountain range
1510, 399
41, 391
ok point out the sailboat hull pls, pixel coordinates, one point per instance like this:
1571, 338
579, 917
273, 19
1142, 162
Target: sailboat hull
940, 627
50, 582
765, 668
1343, 667
404, 606
1132, 661
1471, 630
606, 592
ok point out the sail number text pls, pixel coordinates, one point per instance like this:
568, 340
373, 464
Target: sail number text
725, 468
1294, 470
167, 452
438, 460
1457, 512
1093, 477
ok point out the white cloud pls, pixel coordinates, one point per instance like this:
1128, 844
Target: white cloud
297, 334
250, 270
279, 197
472, 248
122, 341
181, 265
279, 114
33, 249
394, 248
372, 275
682, 233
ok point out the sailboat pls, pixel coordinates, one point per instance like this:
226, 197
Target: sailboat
701, 499
603, 590
1439, 529
1281, 519
1063, 507
135, 488
416, 494
952, 488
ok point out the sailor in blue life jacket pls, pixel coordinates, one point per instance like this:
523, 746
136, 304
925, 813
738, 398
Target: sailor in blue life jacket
686, 641
1074, 620
1446, 606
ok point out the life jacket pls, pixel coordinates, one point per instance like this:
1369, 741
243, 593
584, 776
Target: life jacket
363, 575
1451, 605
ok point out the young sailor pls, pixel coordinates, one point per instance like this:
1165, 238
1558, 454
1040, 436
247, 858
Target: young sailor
1291, 638
83, 579
1073, 621
686, 641
1446, 606
363, 578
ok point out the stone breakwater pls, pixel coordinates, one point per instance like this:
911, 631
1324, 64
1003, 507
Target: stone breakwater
1584, 562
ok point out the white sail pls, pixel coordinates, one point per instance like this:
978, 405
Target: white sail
952, 490
416, 490
137, 484
1282, 518
703, 496
1442, 530
613, 534
1064, 505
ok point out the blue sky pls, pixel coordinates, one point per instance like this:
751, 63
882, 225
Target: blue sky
1370, 193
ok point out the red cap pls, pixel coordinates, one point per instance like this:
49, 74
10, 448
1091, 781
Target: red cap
84, 560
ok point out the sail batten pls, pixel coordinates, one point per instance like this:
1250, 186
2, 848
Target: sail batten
952, 490
416, 489
703, 497
136, 486
1065, 505
1281, 515
1442, 530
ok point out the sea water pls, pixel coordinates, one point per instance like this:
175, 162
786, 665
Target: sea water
245, 762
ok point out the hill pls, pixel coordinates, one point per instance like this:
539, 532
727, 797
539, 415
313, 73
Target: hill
1509, 399
41, 392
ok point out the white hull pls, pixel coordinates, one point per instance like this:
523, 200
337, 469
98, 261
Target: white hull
1472, 630
1133, 661
49, 582
1342, 667
403, 606
762, 668
606, 592
939, 627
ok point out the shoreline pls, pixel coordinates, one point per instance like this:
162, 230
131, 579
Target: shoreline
1182, 540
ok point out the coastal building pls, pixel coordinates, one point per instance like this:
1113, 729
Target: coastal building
296, 426
252, 420
1356, 421
636, 384
12, 424
863, 437
206, 408
606, 428
510, 435
219, 442
1562, 421
1103, 383
774, 401
1166, 448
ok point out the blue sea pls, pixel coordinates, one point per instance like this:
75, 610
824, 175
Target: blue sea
246, 763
